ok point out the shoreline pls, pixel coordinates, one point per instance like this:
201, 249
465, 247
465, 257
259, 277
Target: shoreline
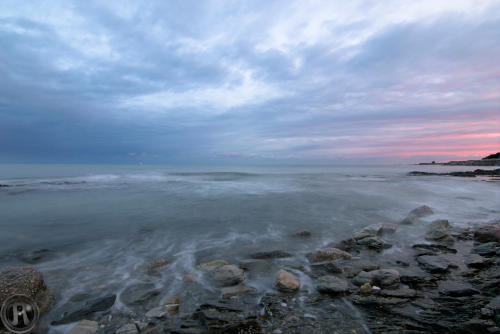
371, 282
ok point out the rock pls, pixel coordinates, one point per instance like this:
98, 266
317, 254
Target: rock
456, 289
440, 224
277, 254
213, 264
172, 304
373, 243
90, 307
189, 278
414, 276
347, 244
222, 318
422, 211
401, 292
127, 329
303, 234
158, 312
256, 266
486, 249
236, 290
477, 261
387, 228
228, 275
85, 327
435, 248
365, 288
434, 264
327, 254
26, 281
487, 233
438, 231
331, 284
327, 267
411, 219
153, 265
138, 293
388, 278
286, 281
362, 235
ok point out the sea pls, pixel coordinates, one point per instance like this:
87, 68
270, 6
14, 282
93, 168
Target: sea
95, 228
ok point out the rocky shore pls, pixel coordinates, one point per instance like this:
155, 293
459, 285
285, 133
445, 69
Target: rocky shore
474, 173
491, 160
374, 282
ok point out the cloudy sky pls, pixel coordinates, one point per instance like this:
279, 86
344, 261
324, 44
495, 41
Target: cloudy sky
248, 81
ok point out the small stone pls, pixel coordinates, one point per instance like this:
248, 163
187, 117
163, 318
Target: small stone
362, 235
386, 277
127, 329
213, 264
327, 254
477, 261
236, 290
286, 281
331, 284
422, 211
153, 265
85, 327
327, 267
228, 275
440, 224
373, 243
401, 292
365, 288
172, 304
189, 278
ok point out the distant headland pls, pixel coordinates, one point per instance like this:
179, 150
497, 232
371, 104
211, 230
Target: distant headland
490, 160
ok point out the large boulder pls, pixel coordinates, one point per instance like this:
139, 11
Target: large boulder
229, 274
327, 254
487, 233
286, 281
25, 281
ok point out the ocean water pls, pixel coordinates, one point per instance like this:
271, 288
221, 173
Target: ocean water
95, 228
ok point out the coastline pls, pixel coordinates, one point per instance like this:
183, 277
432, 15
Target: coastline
371, 282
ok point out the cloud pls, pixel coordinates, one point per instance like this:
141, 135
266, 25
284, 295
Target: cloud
194, 81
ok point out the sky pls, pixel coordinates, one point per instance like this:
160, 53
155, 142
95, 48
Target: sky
249, 81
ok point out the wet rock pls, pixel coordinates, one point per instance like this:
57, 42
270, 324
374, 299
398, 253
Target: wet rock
158, 312
401, 292
85, 327
477, 261
414, 276
276, 254
456, 289
346, 245
138, 293
189, 278
332, 285
221, 318
236, 290
172, 304
434, 264
422, 211
388, 278
438, 231
387, 228
86, 310
256, 265
327, 254
375, 300
286, 281
486, 249
156, 264
373, 243
365, 288
36, 256
303, 234
26, 281
435, 248
488, 233
213, 264
326, 267
127, 329
411, 219
440, 224
228, 275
